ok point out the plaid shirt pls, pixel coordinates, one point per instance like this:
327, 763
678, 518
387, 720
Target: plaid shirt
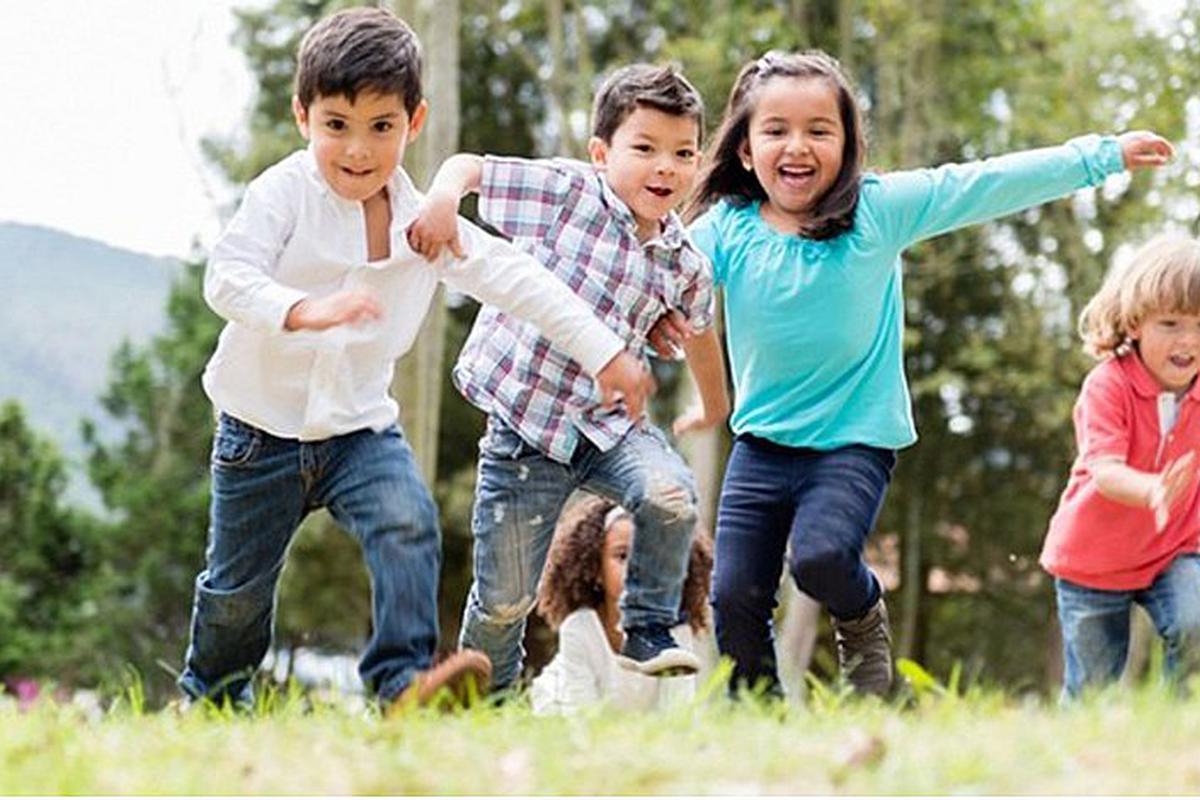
564, 214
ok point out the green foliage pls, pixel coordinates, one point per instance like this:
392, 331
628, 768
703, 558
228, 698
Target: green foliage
155, 479
48, 560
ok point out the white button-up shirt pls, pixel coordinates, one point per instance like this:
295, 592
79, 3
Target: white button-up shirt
292, 238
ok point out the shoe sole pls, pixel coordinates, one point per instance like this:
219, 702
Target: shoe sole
668, 663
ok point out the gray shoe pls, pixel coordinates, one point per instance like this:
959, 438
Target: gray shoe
864, 648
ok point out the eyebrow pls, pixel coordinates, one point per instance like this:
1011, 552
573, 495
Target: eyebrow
780, 118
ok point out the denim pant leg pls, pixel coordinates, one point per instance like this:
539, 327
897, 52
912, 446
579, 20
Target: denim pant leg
838, 498
374, 490
257, 504
1095, 633
519, 494
753, 518
656, 486
1173, 602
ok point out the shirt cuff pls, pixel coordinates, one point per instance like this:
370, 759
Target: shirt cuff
276, 301
1102, 156
598, 347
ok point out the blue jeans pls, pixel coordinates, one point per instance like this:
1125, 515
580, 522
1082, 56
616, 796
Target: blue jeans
262, 488
518, 498
1095, 625
822, 504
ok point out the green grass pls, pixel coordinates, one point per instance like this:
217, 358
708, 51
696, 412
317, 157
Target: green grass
1130, 742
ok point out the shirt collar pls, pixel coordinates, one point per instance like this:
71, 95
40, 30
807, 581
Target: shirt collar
671, 231
403, 194
1145, 384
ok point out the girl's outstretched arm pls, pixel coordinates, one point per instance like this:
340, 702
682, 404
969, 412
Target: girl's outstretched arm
914, 205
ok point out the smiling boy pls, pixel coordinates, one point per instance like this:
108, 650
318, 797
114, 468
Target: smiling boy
608, 230
322, 294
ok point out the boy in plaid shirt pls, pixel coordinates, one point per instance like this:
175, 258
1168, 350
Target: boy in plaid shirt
608, 230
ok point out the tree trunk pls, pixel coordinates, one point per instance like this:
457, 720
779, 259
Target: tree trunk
912, 572
418, 381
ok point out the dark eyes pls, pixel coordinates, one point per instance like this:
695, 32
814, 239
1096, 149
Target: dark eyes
339, 125
686, 153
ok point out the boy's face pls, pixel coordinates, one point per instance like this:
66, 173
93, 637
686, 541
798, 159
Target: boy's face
1169, 345
650, 163
358, 145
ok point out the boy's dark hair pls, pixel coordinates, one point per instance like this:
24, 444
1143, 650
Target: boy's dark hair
628, 88
723, 174
572, 576
360, 49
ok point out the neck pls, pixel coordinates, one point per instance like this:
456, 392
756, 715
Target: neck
610, 617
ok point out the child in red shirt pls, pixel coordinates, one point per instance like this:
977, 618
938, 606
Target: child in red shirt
1127, 529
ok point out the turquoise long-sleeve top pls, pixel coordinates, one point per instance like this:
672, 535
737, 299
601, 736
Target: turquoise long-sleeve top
815, 328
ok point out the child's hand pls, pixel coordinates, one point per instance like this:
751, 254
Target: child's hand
1168, 487
347, 307
668, 334
436, 227
625, 378
694, 419
1142, 149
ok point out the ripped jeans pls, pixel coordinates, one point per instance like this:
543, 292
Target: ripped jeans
518, 497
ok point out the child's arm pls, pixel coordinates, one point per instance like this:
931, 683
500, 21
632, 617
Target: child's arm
238, 280
707, 363
920, 204
1121, 483
436, 225
497, 273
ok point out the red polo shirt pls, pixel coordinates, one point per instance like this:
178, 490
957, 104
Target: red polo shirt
1103, 544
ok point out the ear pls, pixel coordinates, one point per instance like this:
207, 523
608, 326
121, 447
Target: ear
416, 120
598, 151
744, 156
301, 115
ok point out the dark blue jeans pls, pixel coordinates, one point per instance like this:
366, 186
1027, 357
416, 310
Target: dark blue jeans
262, 488
518, 498
1095, 626
817, 506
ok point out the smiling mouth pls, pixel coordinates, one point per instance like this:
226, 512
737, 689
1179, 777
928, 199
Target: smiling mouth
797, 174
356, 173
1182, 362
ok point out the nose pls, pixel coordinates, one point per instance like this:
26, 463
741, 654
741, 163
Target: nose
797, 143
357, 147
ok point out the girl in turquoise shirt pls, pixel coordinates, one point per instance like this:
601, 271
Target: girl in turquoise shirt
807, 248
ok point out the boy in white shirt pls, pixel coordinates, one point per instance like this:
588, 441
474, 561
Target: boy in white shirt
322, 294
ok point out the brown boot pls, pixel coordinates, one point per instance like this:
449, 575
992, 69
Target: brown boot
864, 648
459, 679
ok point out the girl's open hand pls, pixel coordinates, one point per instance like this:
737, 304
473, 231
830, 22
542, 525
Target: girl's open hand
1169, 487
1144, 149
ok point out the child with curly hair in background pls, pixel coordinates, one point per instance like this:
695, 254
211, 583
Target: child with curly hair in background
579, 596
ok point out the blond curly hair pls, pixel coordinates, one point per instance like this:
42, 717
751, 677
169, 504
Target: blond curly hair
1162, 277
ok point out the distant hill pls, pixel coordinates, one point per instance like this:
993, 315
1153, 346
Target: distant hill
68, 302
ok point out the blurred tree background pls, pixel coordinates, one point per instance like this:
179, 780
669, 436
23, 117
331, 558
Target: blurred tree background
990, 347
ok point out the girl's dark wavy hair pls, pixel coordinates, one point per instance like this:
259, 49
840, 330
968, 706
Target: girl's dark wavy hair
572, 577
723, 175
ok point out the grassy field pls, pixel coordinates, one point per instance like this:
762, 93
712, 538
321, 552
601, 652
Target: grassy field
984, 743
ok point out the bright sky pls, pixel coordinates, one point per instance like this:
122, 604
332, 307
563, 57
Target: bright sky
105, 103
